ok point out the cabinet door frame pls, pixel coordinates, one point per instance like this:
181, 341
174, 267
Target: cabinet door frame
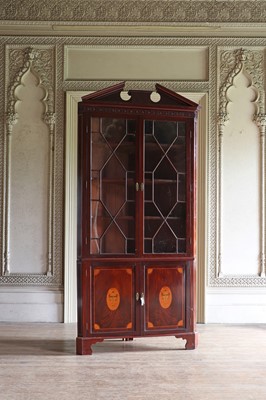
85, 202
190, 193
165, 299
92, 271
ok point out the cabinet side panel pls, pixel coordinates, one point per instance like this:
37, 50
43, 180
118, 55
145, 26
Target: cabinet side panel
79, 302
79, 186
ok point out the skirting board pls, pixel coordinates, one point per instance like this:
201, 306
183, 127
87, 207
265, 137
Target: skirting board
236, 305
30, 305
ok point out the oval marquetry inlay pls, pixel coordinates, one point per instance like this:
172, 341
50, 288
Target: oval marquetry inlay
165, 297
113, 299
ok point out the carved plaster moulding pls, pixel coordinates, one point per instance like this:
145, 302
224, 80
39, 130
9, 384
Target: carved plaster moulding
18, 60
178, 86
41, 61
231, 61
126, 41
155, 11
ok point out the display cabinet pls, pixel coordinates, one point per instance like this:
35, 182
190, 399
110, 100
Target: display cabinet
136, 216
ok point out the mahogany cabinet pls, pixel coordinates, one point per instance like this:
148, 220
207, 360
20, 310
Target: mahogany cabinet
136, 216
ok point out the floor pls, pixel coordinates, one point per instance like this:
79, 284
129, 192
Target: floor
38, 361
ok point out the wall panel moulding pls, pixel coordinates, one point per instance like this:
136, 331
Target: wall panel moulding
240, 134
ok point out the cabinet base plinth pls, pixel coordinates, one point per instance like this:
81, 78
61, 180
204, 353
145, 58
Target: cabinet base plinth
191, 338
83, 345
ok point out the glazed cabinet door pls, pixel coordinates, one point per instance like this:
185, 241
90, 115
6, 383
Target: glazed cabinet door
167, 180
165, 297
111, 192
111, 309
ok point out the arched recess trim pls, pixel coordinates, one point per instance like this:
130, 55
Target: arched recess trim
232, 63
37, 61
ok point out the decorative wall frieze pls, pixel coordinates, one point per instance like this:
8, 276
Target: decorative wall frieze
140, 11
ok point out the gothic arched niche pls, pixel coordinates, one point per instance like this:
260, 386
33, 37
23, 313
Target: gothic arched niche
29, 179
240, 177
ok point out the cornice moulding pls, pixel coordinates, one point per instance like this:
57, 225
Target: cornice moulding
137, 29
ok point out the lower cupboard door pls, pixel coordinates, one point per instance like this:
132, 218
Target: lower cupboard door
112, 300
164, 298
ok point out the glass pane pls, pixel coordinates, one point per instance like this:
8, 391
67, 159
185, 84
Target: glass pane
151, 227
113, 130
101, 151
165, 241
100, 221
112, 193
165, 132
165, 187
113, 240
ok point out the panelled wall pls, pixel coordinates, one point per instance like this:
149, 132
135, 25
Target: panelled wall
43, 78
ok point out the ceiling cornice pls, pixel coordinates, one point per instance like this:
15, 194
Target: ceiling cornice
134, 11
